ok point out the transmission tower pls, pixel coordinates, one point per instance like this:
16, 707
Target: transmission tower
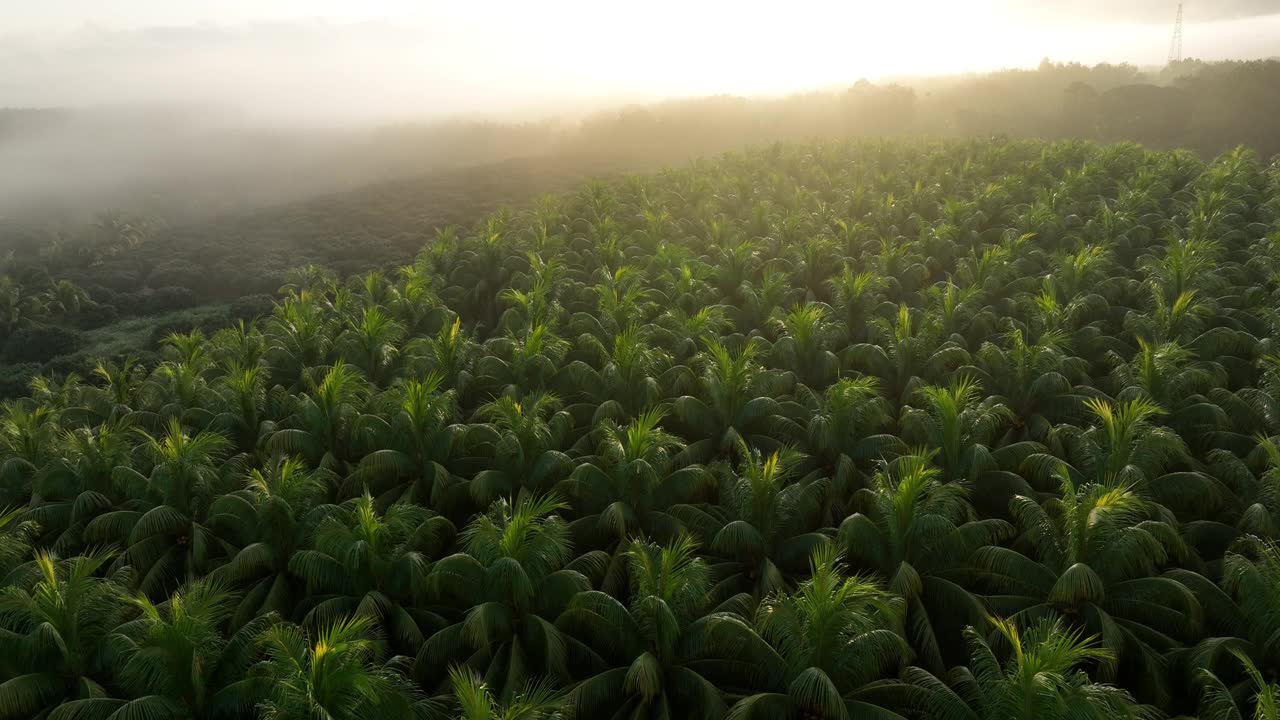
1175, 45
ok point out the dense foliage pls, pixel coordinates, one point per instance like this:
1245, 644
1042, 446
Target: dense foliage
976, 430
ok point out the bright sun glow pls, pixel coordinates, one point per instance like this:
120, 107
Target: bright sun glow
380, 57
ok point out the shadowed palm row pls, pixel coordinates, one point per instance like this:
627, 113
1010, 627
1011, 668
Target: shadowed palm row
980, 431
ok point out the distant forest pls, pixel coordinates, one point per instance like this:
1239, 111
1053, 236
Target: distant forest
1205, 107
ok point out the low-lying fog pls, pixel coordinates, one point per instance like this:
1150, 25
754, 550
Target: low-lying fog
198, 107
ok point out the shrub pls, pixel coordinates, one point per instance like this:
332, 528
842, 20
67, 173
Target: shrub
37, 343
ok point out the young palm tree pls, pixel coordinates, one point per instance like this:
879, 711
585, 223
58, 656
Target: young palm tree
56, 622
1035, 381
1127, 447
1095, 555
906, 355
175, 662
804, 336
539, 701
272, 518
736, 403
322, 426
766, 527
655, 645
1043, 679
369, 342
370, 564
919, 533
1218, 702
16, 534
960, 424
171, 538
414, 445
635, 477
335, 674
519, 446
516, 576
83, 482
821, 652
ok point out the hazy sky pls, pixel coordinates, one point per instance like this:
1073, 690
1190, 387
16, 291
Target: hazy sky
349, 60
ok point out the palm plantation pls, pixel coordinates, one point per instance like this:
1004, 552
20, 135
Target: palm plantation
955, 430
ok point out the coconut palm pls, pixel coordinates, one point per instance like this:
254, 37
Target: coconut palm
415, 444
175, 662
269, 520
905, 355
370, 564
323, 425
825, 651
521, 446
1045, 677
169, 539
1096, 554
655, 644
840, 438
336, 673
1220, 703
516, 576
767, 526
960, 424
539, 701
739, 404
56, 622
1126, 446
633, 487
919, 532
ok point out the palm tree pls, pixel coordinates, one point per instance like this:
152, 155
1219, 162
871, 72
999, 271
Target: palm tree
1035, 381
55, 625
1170, 376
960, 424
334, 674
269, 520
322, 426
84, 481
906, 355
804, 336
375, 565
370, 342
514, 578
415, 445
655, 644
527, 362
1044, 678
739, 404
841, 435
626, 489
520, 446
766, 527
821, 652
633, 375
1095, 555
919, 533
539, 701
171, 538
1251, 576
176, 663
1127, 447
1220, 703
27, 438
244, 400
16, 534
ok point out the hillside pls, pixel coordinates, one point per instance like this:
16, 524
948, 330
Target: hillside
829, 430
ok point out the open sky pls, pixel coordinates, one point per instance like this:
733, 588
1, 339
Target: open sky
349, 60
